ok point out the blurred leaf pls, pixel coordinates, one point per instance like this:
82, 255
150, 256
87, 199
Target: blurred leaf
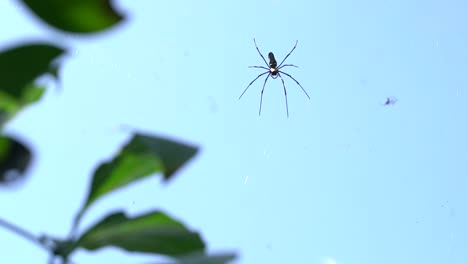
21, 65
32, 93
140, 158
154, 232
15, 158
54, 71
10, 106
204, 259
77, 16
4, 116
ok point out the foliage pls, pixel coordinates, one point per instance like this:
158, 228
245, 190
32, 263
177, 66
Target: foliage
143, 156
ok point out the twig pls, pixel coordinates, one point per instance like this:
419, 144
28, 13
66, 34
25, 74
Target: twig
28, 236
21, 232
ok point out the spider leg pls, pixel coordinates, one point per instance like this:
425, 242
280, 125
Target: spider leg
285, 96
260, 53
261, 95
251, 83
286, 65
260, 67
296, 82
288, 54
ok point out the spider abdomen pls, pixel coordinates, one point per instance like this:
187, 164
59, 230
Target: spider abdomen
273, 62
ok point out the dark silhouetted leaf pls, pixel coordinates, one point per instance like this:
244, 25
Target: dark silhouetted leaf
54, 72
154, 232
21, 65
76, 16
15, 158
140, 158
4, 116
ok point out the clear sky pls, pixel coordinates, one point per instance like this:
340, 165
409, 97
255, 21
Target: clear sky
343, 180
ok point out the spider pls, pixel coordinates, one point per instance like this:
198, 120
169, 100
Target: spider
274, 71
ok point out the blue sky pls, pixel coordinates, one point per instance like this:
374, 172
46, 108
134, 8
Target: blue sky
343, 180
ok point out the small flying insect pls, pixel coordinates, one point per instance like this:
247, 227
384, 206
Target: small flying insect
274, 70
390, 101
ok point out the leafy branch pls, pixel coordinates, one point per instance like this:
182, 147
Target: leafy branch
145, 155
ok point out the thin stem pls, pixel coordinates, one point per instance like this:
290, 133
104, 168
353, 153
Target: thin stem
28, 236
21, 232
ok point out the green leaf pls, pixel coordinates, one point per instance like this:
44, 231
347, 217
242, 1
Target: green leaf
22, 65
10, 106
15, 158
140, 158
77, 16
154, 232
